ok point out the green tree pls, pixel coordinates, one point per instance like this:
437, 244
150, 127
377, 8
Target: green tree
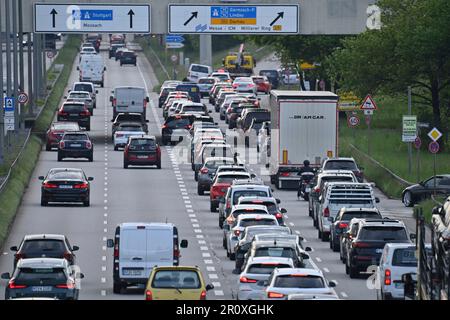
411, 49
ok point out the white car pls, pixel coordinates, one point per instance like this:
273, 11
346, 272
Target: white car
87, 51
255, 215
284, 282
245, 84
126, 131
396, 260
258, 269
222, 76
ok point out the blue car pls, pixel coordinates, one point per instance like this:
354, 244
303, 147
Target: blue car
192, 89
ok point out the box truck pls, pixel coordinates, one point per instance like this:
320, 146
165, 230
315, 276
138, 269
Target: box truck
304, 126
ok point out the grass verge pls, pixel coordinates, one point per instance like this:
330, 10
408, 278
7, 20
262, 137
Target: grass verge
428, 205
14, 189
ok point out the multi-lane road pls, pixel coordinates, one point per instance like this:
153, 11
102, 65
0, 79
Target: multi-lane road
150, 195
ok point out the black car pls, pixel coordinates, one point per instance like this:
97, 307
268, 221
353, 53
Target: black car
45, 246
128, 117
424, 189
341, 222
175, 122
142, 151
272, 76
365, 249
260, 115
75, 112
113, 48
128, 57
163, 95
43, 278
75, 145
65, 185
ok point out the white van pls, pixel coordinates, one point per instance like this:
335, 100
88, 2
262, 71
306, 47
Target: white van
92, 69
129, 100
138, 247
197, 71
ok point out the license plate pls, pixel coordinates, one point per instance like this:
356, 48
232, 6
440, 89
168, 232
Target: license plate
41, 289
73, 114
76, 145
65, 186
132, 272
142, 157
307, 189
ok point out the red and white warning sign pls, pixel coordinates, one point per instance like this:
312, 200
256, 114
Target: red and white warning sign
368, 103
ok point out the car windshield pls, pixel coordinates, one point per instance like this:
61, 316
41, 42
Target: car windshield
194, 108
340, 165
178, 123
82, 87
260, 116
299, 281
79, 96
361, 215
230, 178
248, 193
383, 234
266, 268
75, 137
142, 144
201, 69
405, 257
41, 276
257, 222
69, 126
66, 175
42, 248
279, 252
222, 76
128, 54
269, 73
75, 108
185, 279
129, 117
206, 81
130, 128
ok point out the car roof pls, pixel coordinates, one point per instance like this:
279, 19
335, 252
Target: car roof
273, 243
42, 263
336, 173
66, 169
304, 271
249, 206
44, 237
79, 91
231, 166
387, 222
237, 173
249, 183
253, 216
263, 199
134, 225
339, 159
218, 159
270, 260
177, 268
375, 210
144, 136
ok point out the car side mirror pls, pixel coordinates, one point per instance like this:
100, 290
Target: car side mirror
377, 200
75, 248
41, 178
91, 179
65, 97
104, 69
111, 99
6, 276
305, 256
253, 175
308, 249
147, 121
412, 236
184, 243
332, 284
278, 200
209, 287
68, 91
96, 91
112, 120
110, 243
283, 210
147, 99
216, 123
80, 276
14, 248
222, 200
78, 68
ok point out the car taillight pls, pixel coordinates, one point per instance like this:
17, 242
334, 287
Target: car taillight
247, 280
85, 113
188, 126
62, 113
62, 144
88, 144
237, 233
83, 185
164, 126
48, 185
204, 170
359, 245
326, 212
148, 295
19, 256
114, 101
68, 256
68, 285
387, 277
12, 285
176, 251
278, 215
116, 251
317, 190
275, 295
203, 295
284, 174
343, 225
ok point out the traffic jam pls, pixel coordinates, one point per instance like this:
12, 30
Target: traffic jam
243, 141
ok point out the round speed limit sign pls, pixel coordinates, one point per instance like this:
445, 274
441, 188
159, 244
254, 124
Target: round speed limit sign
353, 121
23, 98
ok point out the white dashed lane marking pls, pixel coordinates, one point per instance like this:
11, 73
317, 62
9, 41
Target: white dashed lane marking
344, 295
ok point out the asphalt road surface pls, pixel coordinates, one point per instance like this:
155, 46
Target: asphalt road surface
151, 195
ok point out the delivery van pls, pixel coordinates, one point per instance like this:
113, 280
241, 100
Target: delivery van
129, 100
92, 69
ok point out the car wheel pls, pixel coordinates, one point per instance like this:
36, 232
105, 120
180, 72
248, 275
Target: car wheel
222, 117
158, 165
117, 287
212, 207
310, 213
224, 244
220, 222
102, 84
88, 127
335, 246
353, 272
200, 191
116, 148
232, 256
48, 147
314, 222
125, 165
347, 269
44, 202
407, 199
91, 157
87, 203
60, 157
164, 142
325, 236
226, 120
196, 175
319, 234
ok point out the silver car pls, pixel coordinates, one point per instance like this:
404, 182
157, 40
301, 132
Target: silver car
259, 269
81, 96
208, 171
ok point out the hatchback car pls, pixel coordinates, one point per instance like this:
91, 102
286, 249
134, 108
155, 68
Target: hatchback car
221, 182
56, 132
176, 283
128, 57
43, 277
244, 84
262, 84
76, 145
208, 171
75, 112
142, 151
45, 246
439, 184
175, 128
126, 130
65, 185
81, 96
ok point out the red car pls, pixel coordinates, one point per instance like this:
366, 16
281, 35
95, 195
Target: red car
262, 84
142, 151
56, 131
219, 186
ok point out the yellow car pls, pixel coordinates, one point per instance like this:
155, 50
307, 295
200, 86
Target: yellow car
176, 283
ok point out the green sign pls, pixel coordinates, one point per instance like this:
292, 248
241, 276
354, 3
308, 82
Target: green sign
409, 133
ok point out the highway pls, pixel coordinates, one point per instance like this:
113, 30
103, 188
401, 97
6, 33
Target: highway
151, 195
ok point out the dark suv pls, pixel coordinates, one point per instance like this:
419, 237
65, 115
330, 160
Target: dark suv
128, 57
129, 117
76, 145
249, 114
75, 112
142, 151
365, 248
341, 222
175, 122
343, 164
